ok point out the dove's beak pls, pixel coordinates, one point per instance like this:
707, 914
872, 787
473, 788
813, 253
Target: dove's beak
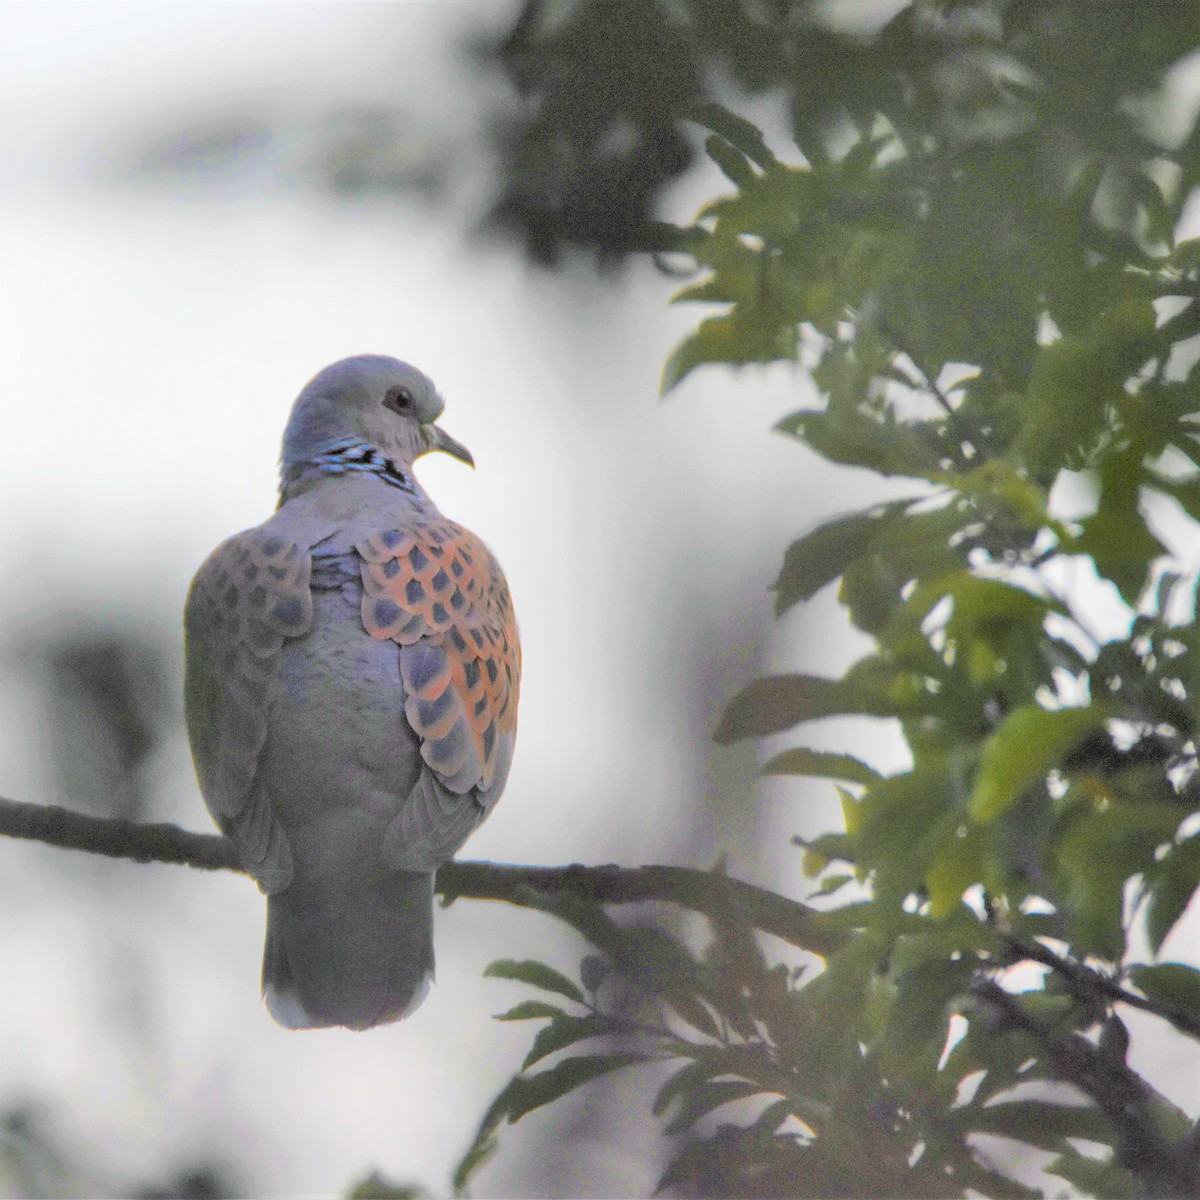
437, 438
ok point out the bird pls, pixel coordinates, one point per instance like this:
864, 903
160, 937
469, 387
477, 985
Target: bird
352, 674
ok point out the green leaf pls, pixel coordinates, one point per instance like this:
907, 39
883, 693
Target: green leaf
699, 1100
734, 165
649, 956
736, 130
1095, 1177
1038, 1122
375, 1187
1023, 749
529, 1092
685, 1079
1175, 881
750, 1061
658, 237
1186, 255
1182, 325
593, 971
1004, 493
820, 763
1116, 535
664, 967
826, 848
536, 974
563, 1031
822, 555
524, 1093
983, 608
833, 883
529, 1010
734, 340
777, 702
1171, 983
1076, 380
956, 865
478, 1154
1118, 541
885, 447
1101, 846
988, 1181
904, 819
919, 1021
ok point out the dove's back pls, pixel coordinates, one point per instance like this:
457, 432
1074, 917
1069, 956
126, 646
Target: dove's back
350, 940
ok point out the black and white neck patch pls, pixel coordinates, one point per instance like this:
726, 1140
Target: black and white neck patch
350, 456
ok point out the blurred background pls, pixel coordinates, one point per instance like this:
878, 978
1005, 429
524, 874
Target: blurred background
203, 204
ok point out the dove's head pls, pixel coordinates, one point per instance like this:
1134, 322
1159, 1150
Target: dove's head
369, 403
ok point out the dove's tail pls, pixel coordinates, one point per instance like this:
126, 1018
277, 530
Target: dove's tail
347, 951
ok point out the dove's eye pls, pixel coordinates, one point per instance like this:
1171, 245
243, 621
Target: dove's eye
399, 400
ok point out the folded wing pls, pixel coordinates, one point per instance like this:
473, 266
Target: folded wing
250, 595
438, 593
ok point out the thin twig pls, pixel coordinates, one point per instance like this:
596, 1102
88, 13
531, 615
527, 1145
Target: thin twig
927, 382
930, 385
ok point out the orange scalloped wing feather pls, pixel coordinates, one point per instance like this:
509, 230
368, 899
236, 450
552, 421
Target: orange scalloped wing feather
438, 593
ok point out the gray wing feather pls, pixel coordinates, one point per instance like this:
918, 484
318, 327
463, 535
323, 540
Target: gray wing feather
251, 594
430, 828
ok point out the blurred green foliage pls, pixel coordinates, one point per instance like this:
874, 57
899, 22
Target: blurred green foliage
964, 227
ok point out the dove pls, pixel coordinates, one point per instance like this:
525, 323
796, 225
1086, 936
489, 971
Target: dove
352, 671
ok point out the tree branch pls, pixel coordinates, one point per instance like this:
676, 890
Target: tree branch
1091, 985
118, 839
1169, 1168
701, 891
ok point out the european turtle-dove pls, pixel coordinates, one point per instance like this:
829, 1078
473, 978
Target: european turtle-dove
352, 672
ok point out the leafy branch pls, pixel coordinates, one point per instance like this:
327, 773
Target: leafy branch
1153, 1143
1006, 233
1091, 985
